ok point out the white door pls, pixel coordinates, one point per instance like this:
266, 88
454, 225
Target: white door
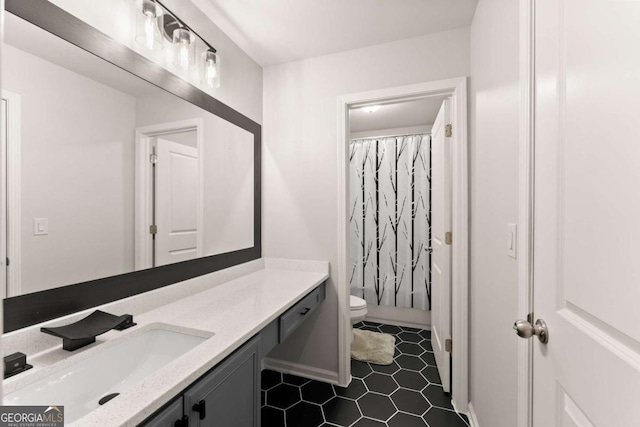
441, 257
587, 213
177, 203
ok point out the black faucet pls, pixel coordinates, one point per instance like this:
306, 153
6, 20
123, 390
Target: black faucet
84, 331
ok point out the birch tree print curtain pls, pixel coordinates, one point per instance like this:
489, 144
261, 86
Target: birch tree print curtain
390, 233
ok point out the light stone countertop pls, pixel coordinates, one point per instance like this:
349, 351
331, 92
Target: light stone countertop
233, 311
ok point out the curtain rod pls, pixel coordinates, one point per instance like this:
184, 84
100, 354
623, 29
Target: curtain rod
391, 136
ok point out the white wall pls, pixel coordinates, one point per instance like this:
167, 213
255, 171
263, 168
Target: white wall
241, 86
300, 157
74, 159
494, 203
228, 170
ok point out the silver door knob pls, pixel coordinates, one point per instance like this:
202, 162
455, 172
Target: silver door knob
525, 329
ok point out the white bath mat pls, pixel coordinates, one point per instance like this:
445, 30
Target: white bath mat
373, 347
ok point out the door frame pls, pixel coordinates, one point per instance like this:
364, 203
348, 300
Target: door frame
144, 178
11, 195
457, 89
526, 175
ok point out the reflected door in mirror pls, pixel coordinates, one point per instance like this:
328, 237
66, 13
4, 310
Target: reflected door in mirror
178, 204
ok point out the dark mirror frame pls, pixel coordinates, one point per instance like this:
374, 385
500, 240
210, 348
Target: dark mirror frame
29, 309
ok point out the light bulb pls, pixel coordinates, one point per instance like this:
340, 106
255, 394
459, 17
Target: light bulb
184, 49
184, 55
210, 69
371, 108
147, 32
149, 29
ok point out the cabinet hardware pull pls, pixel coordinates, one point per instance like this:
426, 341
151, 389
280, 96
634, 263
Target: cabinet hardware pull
201, 409
182, 422
306, 310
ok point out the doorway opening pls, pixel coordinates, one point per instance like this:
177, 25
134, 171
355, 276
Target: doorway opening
169, 193
403, 219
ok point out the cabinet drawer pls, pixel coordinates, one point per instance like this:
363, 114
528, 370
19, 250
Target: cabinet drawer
290, 320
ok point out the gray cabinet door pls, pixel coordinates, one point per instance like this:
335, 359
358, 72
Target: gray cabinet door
229, 396
166, 417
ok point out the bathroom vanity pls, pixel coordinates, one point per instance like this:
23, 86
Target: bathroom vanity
229, 394
193, 359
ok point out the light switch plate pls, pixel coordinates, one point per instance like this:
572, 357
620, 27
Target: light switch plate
40, 226
512, 240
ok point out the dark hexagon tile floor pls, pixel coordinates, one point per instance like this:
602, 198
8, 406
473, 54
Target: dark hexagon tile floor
405, 394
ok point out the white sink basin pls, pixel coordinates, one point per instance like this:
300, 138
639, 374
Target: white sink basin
80, 386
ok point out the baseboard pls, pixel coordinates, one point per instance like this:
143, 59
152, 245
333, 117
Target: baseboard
410, 317
397, 323
473, 419
300, 370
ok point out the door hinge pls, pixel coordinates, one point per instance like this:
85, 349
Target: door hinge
448, 346
182, 422
8, 262
153, 229
153, 158
448, 130
448, 238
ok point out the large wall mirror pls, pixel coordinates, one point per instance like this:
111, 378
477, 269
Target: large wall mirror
114, 184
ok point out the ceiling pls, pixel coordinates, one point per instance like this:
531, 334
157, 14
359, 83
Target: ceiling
404, 114
279, 31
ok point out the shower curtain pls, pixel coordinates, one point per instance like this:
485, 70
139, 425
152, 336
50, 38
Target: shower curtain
390, 213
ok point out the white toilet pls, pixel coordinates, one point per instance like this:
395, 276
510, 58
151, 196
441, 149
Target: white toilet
358, 309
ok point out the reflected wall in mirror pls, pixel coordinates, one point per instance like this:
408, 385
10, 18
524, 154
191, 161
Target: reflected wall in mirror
107, 173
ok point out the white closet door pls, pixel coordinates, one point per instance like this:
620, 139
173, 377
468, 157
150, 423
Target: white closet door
441, 257
177, 203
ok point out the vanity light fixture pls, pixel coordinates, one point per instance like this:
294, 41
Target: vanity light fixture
184, 49
210, 69
371, 108
157, 25
148, 14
